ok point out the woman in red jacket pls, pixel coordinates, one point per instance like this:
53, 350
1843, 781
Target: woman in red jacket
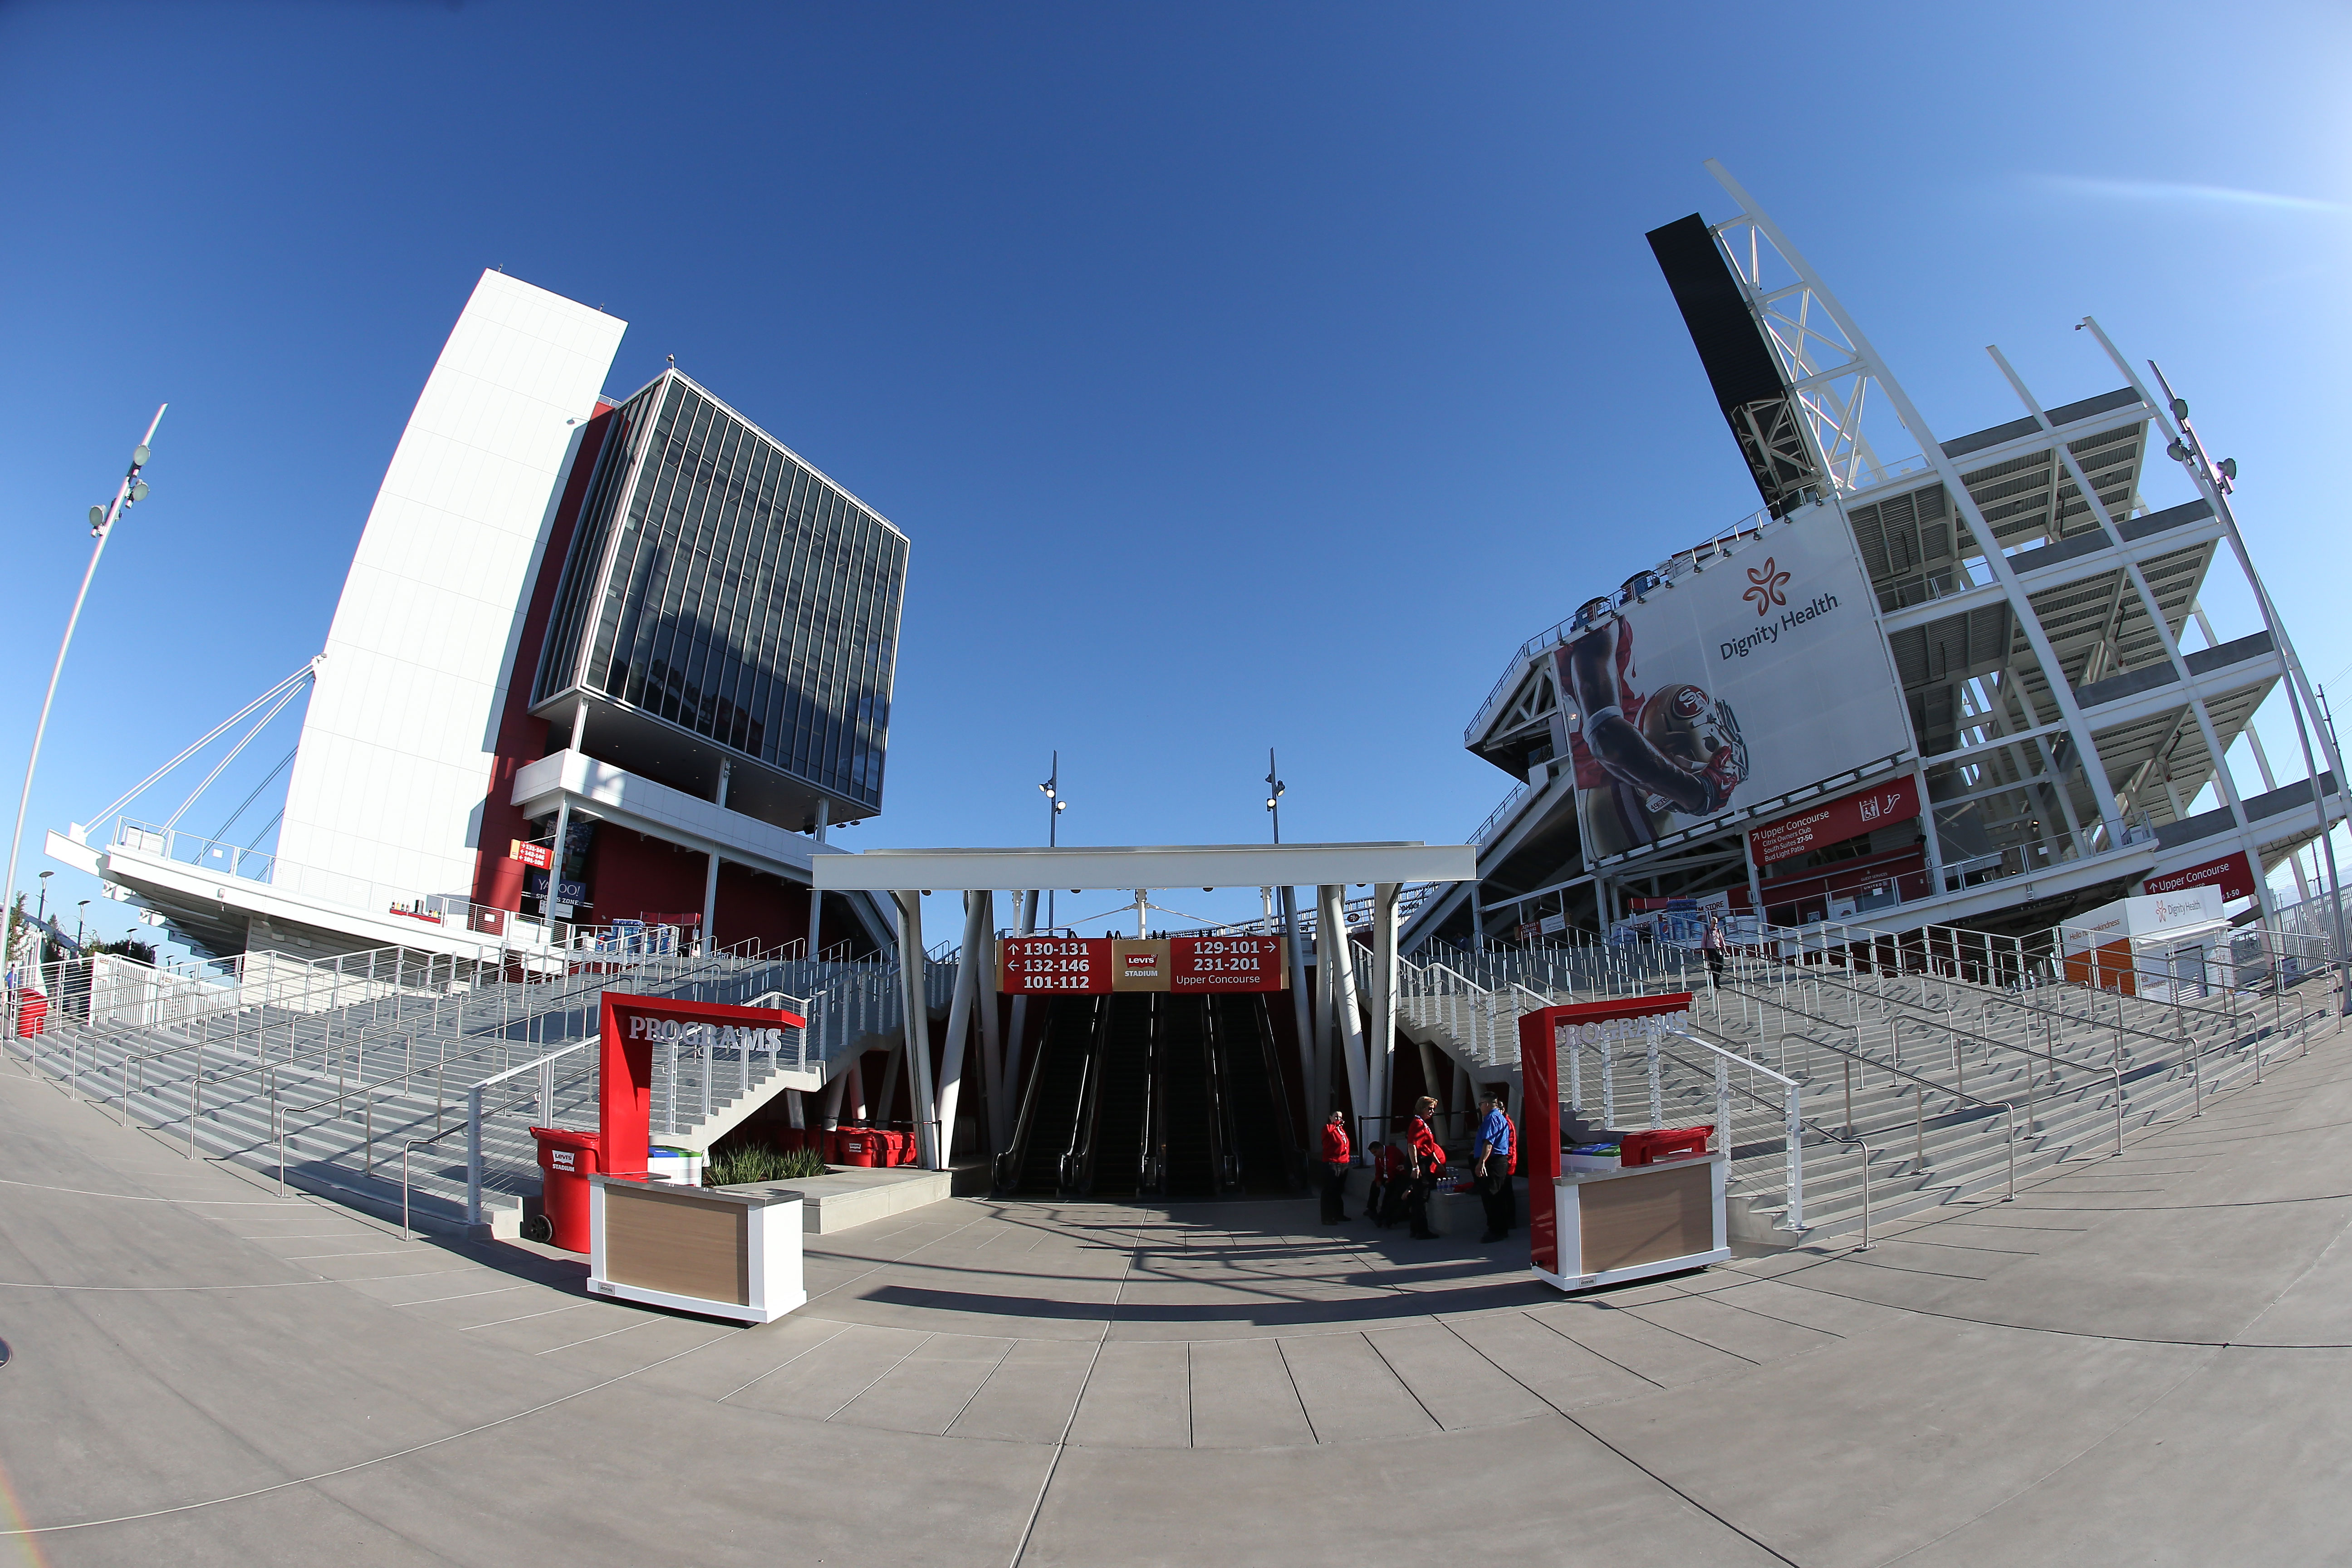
1335, 1168
1428, 1164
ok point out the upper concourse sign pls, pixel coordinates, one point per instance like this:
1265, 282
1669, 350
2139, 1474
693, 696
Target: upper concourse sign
1154, 866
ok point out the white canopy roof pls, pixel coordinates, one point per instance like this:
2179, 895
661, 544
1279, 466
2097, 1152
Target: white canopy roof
1149, 866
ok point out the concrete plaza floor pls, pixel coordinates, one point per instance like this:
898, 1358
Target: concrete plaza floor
2143, 1359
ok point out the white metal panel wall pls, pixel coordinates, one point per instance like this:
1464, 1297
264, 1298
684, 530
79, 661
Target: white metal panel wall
398, 744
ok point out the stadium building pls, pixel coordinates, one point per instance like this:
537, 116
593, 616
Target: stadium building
1974, 687
595, 663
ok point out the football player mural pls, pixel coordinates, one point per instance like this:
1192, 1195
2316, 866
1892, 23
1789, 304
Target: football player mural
1641, 758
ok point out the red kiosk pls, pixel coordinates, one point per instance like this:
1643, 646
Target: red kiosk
631, 1026
724, 1254
1659, 1211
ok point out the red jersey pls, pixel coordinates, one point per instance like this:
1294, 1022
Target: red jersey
1335, 1144
1425, 1145
1394, 1162
1615, 636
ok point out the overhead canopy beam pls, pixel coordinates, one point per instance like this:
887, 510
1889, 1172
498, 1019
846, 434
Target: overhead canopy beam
1156, 865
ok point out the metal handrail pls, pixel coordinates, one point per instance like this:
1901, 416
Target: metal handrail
2009, 1113
1986, 995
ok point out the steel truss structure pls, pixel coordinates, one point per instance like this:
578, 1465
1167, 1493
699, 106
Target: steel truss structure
2032, 605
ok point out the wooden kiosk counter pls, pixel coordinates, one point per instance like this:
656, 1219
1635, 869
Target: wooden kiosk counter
1599, 1227
698, 1249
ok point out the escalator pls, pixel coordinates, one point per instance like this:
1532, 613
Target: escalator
1257, 1109
1117, 1151
1049, 1127
1191, 1151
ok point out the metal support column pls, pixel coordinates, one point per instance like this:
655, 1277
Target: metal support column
919, 1030
968, 967
1333, 949
1301, 1014
816, 899
1382, 1045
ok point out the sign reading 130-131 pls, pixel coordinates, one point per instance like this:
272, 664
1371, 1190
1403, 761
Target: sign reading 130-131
1046, 966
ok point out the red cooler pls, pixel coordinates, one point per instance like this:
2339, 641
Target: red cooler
566, 1161
859, 1146
1663, 1143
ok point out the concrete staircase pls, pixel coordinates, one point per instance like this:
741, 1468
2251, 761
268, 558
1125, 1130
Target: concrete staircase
1916, 1067
339, 1093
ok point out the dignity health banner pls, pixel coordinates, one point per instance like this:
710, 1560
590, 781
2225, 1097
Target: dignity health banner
1762, 674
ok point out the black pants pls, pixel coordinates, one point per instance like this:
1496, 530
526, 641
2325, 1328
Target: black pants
1335, 1190
1715, 966
1416, 1204
1495, 1192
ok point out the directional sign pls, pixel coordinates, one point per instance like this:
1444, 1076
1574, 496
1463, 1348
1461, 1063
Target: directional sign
1061, 965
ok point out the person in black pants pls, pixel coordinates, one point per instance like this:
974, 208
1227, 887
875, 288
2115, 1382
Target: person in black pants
1498, 1144
1335, 1169
1428, 1159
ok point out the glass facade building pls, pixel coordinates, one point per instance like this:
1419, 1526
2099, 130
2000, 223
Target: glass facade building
719, 584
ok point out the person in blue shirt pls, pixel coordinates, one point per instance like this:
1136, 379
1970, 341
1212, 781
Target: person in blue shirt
1497, 1153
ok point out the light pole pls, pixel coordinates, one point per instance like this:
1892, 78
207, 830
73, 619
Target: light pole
81, 930
102, 520
43, 913
1275, 790
1055, 807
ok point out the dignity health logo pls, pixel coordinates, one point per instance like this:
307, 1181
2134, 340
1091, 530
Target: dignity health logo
1764, 585
1767, 586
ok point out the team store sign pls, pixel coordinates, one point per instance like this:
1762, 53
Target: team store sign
1084, 966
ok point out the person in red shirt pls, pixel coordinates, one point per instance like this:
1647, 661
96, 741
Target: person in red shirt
1335, 1168
1428, 1162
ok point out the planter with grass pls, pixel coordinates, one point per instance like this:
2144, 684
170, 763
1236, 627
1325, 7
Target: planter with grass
756, 1162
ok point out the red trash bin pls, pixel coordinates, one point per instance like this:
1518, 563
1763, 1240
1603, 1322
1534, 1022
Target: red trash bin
566, 1161
898, 1148
32, 1013
859, 1146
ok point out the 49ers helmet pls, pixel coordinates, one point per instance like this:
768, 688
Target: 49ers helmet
1692, 729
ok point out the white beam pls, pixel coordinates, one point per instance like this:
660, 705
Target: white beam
1148, 865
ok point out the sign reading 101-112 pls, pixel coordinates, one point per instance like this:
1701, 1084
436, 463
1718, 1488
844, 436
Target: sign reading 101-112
1074, 965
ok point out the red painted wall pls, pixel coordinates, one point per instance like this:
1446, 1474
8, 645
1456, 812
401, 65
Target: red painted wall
497, 880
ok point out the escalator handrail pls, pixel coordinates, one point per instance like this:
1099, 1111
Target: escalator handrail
1223, 1150
1076, 1171
1012, 1160
1152, 1063
1293, 1156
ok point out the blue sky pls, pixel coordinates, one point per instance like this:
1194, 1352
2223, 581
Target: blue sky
1243, 375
